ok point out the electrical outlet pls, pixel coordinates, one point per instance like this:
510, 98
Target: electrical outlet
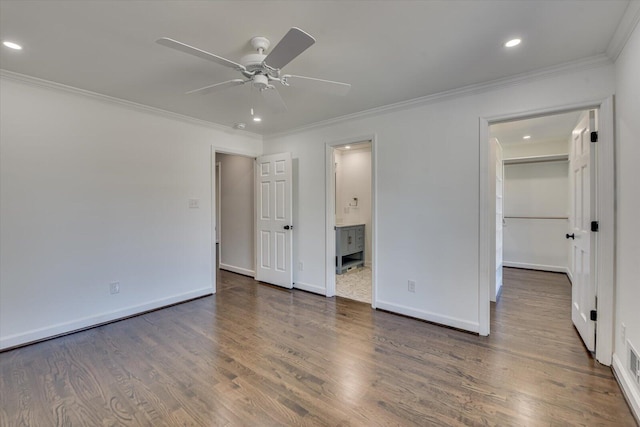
623, 331
300, 266
194, 203
114, 288
411, 285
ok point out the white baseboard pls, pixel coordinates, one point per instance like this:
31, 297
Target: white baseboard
630, 390
542, 267
239, 270
428, 316
96, 320
310, 288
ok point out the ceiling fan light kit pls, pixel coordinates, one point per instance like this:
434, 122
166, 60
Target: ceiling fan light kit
263, 69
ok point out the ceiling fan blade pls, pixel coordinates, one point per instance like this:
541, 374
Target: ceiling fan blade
174, 44
273, 100
327, 86
218, 86
292, 44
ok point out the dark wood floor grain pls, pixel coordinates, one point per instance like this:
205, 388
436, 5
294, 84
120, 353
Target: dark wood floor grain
257, 355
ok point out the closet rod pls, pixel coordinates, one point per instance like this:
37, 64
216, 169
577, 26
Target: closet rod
536, 217
537, 159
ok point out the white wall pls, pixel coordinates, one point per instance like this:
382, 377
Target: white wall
427, 211
628, 207
536, 190
353, 179
237, 214
94, 191
548, 148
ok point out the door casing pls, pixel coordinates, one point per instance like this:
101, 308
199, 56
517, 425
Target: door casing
605, 238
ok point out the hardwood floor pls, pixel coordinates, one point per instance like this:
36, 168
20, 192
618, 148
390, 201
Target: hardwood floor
257, 355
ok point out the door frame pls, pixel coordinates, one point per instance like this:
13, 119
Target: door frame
604, 272
218, 188
330, 222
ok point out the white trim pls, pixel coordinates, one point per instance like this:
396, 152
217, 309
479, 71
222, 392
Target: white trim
487, 219
605, 242
214, 238
330, 222
629, 391
579, 65
330, 235
309, 288
429, 316
239, 270
34, 81
98, 319
624, 30
541, 267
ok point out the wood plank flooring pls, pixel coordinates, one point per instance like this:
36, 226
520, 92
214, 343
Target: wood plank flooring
260, 356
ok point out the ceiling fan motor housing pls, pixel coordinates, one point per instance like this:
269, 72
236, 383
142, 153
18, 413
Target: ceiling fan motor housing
260, 81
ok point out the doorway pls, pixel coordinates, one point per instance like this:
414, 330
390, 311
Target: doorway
350, 220
234, 197
534, 201
601, 176
546, 196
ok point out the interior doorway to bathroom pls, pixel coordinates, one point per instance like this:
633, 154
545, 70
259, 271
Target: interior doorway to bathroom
353, 220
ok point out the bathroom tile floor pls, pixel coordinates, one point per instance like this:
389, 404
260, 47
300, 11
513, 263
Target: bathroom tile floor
355, 284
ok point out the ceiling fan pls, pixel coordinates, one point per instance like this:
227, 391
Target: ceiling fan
261, 69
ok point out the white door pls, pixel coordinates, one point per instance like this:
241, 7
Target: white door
499, 215
496, 177
583, 292
218, 207
273, 220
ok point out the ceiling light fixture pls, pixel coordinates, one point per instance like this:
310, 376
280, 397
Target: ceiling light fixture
12, 45
526, 137
512, 43
347, 147
257, 119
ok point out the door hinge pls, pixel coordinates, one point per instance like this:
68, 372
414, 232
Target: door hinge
594, 226
594, 136
593, 315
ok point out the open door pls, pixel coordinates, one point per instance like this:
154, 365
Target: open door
274, 212
583, 292
498, 189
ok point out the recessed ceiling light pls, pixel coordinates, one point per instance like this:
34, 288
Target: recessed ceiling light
347, 147
526, 137
12, 45
257, 119
512, 43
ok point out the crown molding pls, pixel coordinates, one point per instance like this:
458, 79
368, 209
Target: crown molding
625, 28
582, 64
518, 79
35, 81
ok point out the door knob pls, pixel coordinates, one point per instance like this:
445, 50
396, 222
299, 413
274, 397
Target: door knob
571, 236
288, 227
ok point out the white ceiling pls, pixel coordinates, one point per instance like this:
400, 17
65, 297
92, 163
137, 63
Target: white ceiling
390, 51
554, 128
